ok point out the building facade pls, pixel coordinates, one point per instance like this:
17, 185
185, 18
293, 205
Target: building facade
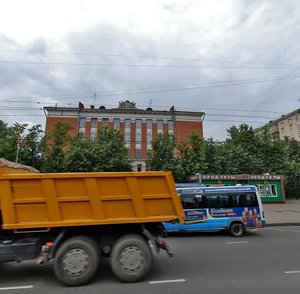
286, 126
138, 126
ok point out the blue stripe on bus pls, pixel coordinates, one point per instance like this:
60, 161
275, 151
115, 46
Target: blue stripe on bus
219, 190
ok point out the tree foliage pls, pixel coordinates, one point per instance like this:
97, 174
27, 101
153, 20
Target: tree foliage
55, 143
163, 155
30, 152
242, 152
109, 152
66, 154
78, 156
190, 158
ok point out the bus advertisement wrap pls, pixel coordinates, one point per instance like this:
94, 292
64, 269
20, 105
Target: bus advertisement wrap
249, 216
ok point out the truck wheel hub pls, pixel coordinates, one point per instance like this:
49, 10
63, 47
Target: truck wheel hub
131, 258
75, 262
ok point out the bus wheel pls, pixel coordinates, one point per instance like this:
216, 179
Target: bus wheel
131, 258
237, 230
76, 261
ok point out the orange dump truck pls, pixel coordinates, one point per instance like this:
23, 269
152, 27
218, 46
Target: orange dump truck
76, 219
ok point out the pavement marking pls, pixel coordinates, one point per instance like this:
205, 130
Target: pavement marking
282, 229
16, 288
292, 272
167, 281
237, 242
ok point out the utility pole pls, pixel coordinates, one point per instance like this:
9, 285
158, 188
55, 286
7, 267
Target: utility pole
18, 148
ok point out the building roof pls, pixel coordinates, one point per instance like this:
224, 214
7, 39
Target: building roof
124, 107
278, 120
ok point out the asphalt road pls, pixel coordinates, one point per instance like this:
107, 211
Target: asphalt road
266, 261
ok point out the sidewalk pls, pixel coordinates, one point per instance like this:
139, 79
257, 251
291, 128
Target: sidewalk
282, 214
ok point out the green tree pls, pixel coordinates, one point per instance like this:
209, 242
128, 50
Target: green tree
214, 156
9, 138
271, 155
241, 150
242, 136
163, 153
78, 156
109, 152
190, 159
292, 169
30, 152
4, 145
54, 145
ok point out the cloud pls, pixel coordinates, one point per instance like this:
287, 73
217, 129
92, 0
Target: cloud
224, 58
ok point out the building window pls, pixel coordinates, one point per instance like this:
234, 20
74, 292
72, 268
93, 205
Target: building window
149, 141
138, 124
127, 138
138, 138
93, 123
127, 132
93, 136
159, 126
290, 122
127, 123
138, 153
138, 134
149, 124
82, 122
170, 125
105, 122
116, 123
267, 190
149, 133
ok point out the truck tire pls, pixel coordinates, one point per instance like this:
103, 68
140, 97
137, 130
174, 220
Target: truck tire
131, 258
237, 229
76, 261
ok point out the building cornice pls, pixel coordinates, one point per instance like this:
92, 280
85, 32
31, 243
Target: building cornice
69, 110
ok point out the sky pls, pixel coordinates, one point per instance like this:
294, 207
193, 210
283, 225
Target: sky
237, 61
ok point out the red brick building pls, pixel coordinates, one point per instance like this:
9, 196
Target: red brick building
139, 126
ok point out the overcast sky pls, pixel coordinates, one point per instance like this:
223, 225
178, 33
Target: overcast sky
237, 61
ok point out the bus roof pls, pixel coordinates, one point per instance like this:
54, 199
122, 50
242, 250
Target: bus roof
186, 185
221, 189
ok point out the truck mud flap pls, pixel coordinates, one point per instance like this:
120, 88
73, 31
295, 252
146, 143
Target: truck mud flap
158, 242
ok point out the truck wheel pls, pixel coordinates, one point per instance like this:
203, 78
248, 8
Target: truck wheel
131, 258
76, 261
237, 230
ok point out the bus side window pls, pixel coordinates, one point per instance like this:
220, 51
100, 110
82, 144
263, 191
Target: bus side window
253, 200
199, 201
234, 200
225, 201
211, 201
188, 201
242, 201
247, 200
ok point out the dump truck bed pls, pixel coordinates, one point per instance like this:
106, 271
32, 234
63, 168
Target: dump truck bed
37, 201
